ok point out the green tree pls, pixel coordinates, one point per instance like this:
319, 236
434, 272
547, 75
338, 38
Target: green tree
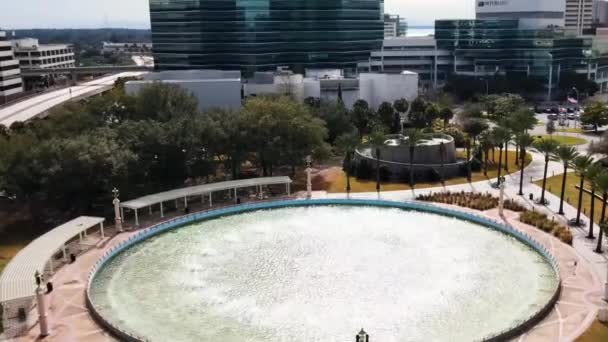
401, 106
595, 114
500, 135
282, 131
566, 156
446, 114
163, 102
508, 104
337, 119
474, 127
361, 116
386, 115
548, 148
417, 114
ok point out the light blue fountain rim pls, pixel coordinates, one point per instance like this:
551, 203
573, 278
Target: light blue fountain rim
177, 222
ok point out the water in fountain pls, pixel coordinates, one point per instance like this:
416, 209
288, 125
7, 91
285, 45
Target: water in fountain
322, 273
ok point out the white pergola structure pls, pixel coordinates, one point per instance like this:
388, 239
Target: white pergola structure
205, 190
17, 282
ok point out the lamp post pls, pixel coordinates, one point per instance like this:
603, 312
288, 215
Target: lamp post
116, 203
308, 177
501, 199
41, 306
362, 336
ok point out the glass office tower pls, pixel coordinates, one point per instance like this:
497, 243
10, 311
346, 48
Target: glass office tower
486, 47
254, 35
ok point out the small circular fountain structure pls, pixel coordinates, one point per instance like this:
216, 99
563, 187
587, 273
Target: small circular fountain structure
321, 270
434, 156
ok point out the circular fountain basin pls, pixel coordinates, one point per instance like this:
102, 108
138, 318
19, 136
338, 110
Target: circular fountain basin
320, 273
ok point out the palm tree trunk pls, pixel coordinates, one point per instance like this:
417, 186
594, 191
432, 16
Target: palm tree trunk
412, 183
442, 170
561, 198
507, 156
591, 236
485, 164
378, 170
517, 154
580, 201
469, 163
542, 196
499, 160
348, 158
521, 177
598, 249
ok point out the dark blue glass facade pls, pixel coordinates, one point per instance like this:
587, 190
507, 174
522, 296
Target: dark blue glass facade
486, 46
252, 35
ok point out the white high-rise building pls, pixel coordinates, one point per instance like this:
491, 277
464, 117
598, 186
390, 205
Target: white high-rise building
579, 15
531, 13
10, 73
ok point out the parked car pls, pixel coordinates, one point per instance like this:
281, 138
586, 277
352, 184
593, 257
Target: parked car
571, 116
552, 116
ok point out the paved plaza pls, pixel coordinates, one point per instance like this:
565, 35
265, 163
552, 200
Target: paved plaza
583, 272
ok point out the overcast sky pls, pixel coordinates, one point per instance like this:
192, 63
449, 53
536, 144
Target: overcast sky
134, 13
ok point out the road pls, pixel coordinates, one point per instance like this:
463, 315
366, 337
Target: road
38, 105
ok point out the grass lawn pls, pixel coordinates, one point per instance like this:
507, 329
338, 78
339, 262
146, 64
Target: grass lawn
564, 140
8, 251
598, 332
334, 180
554, 186
570, 130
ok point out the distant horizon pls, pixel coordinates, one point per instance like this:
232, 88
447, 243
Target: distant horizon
135, 28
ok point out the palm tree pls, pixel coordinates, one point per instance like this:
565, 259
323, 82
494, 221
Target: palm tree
346, 144
500, 135
581, 165
547, 148
414, 137
592, 173
524, 140
601, 183
565, 155
377, 139
486, 143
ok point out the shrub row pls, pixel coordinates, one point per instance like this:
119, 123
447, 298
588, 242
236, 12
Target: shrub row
542, 222
473, 200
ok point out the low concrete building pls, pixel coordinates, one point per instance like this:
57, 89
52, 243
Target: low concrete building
32, 55
212, 88
226, 89
378, 88
11, 84
282, 82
